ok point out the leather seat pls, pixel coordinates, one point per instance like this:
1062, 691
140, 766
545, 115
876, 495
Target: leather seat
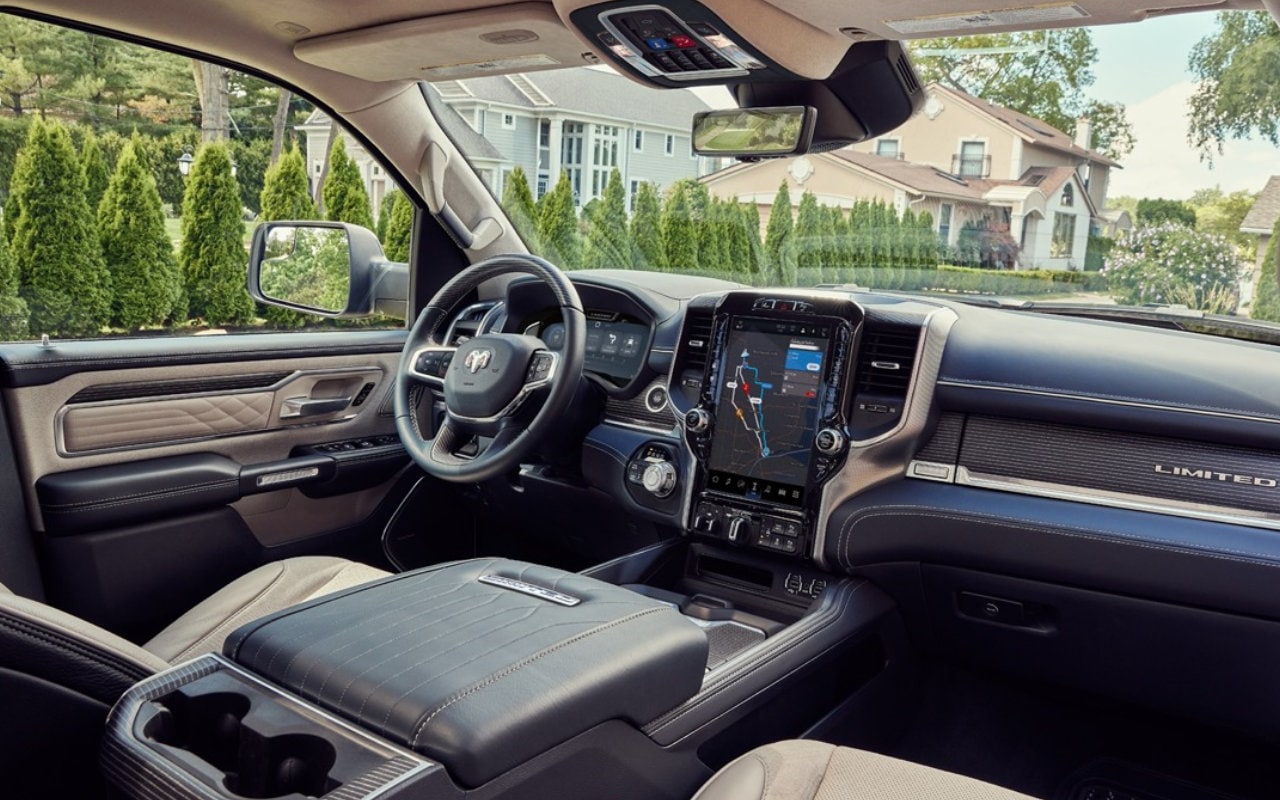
806, 770
39, 640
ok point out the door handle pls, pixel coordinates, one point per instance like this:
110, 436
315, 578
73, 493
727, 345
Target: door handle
294, 407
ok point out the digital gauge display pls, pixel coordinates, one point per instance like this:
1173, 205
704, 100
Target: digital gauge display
614, 347
767, 409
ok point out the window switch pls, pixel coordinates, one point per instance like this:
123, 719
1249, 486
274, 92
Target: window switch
992, 609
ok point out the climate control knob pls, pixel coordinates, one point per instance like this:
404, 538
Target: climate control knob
697, 420
830, 441
660, 478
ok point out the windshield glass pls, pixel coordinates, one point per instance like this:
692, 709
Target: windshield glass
1118, 165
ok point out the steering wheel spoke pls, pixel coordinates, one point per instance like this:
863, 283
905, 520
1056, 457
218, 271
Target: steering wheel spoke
430, 364
542, 369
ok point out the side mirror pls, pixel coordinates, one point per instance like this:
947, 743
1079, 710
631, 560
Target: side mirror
330, 269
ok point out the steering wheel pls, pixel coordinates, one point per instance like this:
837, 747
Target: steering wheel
487, 379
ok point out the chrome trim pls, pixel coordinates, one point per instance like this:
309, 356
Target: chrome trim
666, 397
873, 461
526, 390
1109, 401
637, 62
486, 321
488, 305
1131, 502
671, 432
932, 471
395, 518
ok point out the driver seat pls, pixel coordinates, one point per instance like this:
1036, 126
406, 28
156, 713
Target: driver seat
58, 648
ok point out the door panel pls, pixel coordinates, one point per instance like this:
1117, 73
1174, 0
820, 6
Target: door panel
274, 410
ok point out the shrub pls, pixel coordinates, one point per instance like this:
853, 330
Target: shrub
1172, 264
61, 275
212, 255
1266, 296
646, 229
1157, 211
399, 228
558, 225
285, 195
345, 199
517, 201
778, 236
679, 232
96, 172
608, 243
144, 271
13, 310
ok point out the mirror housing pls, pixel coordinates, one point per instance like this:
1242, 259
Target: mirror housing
873, 90
328, 269
753, 133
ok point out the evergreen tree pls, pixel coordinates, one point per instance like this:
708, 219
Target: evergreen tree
285, 193
751, 226
928, 241
345, 199
710, 251
859, 241
13, 309
212, 255
808, 239
138, 253
907, 230
558, 225
517, 201
739, 238
646, 229
384, 214
1266, 297
679, 231
399, 235
55, 241
779, 233
844, 246
96, 172
608, 242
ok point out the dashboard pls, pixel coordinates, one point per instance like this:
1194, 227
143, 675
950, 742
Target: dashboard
617, 345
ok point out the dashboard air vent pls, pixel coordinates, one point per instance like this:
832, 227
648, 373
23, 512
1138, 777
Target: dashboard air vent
886, 359
698, 324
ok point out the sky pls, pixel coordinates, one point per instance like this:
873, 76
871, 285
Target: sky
1144, 66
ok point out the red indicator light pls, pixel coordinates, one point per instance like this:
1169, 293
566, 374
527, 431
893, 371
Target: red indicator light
683, 42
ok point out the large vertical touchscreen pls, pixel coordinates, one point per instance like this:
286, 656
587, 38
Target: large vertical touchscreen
767, 411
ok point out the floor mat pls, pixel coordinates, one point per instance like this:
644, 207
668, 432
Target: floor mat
1109, 779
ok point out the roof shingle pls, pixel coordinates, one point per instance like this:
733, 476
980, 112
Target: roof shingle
1266, 209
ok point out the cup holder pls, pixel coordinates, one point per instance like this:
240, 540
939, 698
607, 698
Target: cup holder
248, 759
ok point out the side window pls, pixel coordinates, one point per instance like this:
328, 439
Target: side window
132, 180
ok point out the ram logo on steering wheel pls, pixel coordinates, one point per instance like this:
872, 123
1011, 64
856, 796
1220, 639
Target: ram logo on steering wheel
477, 360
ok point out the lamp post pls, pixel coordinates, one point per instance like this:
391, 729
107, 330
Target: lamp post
184, 163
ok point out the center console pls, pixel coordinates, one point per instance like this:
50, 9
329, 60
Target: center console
769, 428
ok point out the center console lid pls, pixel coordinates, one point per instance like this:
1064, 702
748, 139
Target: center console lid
481, 664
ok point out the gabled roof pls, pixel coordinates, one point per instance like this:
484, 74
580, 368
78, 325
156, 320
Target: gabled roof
917, 178
1266, 209
601, 93
1047, 179
1028, 128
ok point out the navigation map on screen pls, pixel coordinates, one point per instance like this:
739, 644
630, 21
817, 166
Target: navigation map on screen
768, 409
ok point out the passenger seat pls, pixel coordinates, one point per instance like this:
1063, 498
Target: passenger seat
806, 770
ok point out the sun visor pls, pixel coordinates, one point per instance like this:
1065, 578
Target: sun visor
523, 37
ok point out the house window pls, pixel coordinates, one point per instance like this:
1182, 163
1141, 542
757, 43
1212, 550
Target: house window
605, 143
509, 121
571, 145
1068, 196
944, 222
888, 148
1064, 235
972, 160
670, 148
637, 140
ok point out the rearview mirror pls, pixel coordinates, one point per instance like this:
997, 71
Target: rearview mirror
754, 132
330, 269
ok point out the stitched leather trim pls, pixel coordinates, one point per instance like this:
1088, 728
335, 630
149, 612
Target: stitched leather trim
126, 672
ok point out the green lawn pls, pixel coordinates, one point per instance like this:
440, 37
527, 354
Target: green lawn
173, 227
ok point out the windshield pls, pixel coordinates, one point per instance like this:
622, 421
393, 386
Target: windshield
1118, 165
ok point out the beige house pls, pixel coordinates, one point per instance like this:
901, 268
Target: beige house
964, 161
1263, 214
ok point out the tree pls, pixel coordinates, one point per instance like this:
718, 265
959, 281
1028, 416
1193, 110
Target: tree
751, 226
96, 172
55, 241
646, 229
778, 235
1221, 213
1266, 295
14, 316
608, 241
212, 255
251, 157
1044, 74
558, 225
285, 194
1156, 211
345, 199
1237, 93
517, 201
137, 251
711, 251
679, 231
399, 237
808, 238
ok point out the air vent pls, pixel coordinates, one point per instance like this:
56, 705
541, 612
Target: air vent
886, 359
468, 323
908, 74
698, 324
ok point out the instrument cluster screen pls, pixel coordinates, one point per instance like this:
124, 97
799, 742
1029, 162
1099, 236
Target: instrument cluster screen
615, 346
